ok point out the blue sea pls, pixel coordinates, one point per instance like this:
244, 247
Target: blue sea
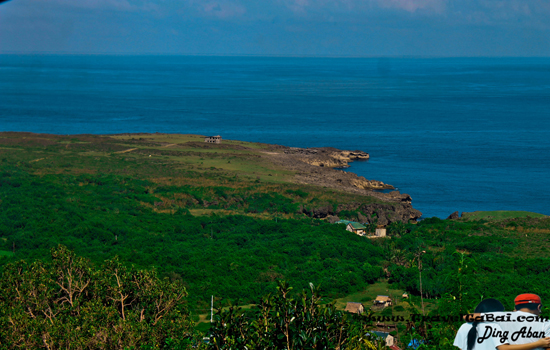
460, 134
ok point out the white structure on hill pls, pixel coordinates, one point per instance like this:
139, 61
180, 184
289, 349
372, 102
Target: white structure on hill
213, 139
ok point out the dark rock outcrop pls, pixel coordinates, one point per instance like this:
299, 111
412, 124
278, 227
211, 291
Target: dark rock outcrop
362, 218
382, 213
395, 196
386, 213
453, 216
322, 212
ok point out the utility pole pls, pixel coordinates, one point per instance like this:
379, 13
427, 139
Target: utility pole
419, 255
212, 310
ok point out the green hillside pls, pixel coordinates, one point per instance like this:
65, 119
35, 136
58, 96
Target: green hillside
226, 222
500, 215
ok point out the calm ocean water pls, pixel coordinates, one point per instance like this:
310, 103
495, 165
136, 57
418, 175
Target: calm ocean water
460, 134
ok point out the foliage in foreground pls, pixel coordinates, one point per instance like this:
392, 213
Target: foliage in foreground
68, 303
281, 321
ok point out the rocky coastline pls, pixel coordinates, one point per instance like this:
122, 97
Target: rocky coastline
327, 156
323, 167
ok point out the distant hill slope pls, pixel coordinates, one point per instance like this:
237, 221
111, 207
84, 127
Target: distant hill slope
500, 215
174, 160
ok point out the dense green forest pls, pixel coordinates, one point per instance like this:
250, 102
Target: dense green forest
236, 234
232, 257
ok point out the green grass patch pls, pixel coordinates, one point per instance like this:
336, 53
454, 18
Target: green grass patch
500, 215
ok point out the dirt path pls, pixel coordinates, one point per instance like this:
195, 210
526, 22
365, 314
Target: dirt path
126, 151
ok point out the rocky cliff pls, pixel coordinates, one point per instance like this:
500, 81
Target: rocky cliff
326, 156
316, 166
379, 213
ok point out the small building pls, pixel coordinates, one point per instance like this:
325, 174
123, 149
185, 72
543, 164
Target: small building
213, 139
405, 296
382, 301
356, 228
388, 339
380, 232
355, 308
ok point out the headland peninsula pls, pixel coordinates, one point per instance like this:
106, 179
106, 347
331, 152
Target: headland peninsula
177, 160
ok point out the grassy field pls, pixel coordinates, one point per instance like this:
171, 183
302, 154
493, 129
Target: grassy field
246, 160
401, 306
176, 140
170, 160
499, 215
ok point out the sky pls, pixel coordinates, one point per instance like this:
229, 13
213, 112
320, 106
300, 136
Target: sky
425, 28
